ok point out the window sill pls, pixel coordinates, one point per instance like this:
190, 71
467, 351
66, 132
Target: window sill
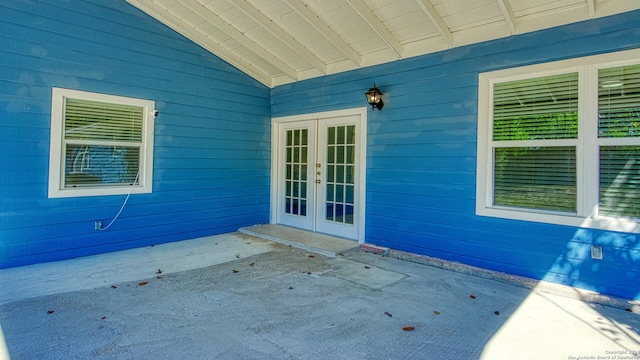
124, 190
591, 222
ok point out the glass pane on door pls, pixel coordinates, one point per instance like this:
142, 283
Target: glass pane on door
295, 176
340, 174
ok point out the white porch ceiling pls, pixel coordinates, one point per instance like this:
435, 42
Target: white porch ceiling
283, 41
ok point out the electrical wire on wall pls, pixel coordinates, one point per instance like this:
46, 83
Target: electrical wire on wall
100, 228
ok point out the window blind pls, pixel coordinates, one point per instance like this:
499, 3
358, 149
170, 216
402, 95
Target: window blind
539, 108
92, 120
619, 102
102, 143
536, 178
619, 118
620, 181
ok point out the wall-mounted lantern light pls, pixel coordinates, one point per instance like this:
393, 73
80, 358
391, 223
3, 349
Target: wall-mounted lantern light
374, 98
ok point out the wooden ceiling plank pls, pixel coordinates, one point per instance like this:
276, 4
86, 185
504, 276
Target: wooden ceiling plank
509, 15
280, 34
325, 30
160, 14
370, 18
233, 33
591, 4
436, 20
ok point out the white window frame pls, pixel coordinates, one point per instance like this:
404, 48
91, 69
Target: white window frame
587, 144
56, 154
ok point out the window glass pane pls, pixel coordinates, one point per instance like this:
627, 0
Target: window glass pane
351, 134
340, 154
620, 181
619, 102
330, 196
331, 173
87, 165
329, 213
539, 108
339, 213
331, 150
339, 174
303, 207
348, 212
536, 178
350, 157
350, 174
349, 195
340, 132
331, 135
296, 137
296, 172
289, 172
339, 195
92, 120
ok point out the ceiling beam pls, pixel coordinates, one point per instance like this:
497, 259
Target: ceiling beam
436, 20
367, 15
325, 30
509, 15
280, 34
236, 35
159, 13
591, 4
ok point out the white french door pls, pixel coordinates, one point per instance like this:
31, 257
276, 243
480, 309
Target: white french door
319, 174
296, 174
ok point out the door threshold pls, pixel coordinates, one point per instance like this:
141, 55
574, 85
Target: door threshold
323, 244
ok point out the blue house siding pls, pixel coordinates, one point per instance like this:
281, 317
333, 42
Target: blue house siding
212, 143
421, 159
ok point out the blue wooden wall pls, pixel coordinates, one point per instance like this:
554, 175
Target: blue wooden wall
212, 142
421, 159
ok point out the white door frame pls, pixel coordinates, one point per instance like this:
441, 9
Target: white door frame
361, 158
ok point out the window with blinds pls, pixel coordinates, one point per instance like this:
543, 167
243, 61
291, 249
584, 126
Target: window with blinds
530, 173
102, 143
98, 144
619, 124
560, 142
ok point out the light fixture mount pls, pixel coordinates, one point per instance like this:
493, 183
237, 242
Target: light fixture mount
374, 98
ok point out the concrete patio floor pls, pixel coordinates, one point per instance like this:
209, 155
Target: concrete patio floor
236, 296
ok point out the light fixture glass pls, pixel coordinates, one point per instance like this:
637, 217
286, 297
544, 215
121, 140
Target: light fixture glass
374, 98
